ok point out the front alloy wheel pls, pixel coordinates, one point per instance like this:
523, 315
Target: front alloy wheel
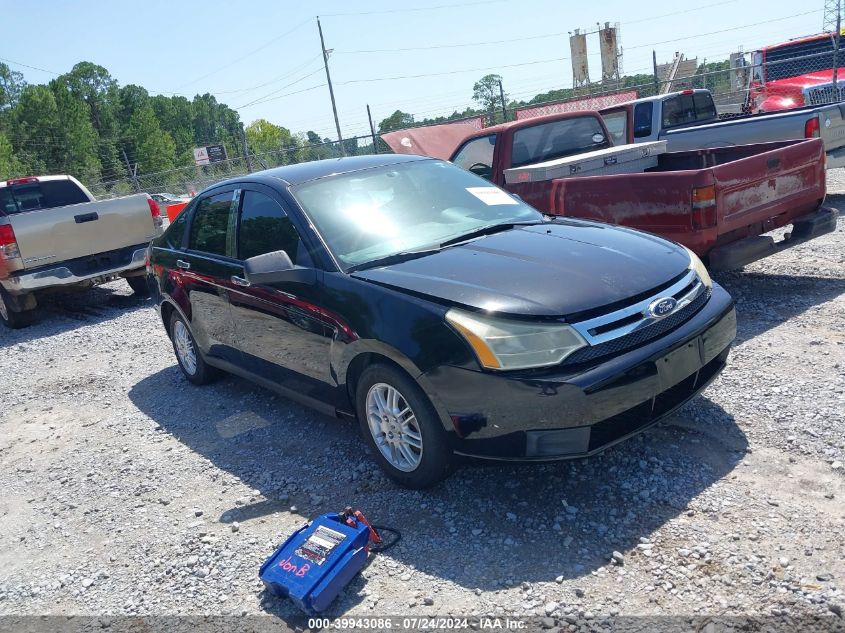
402, 427
394, 427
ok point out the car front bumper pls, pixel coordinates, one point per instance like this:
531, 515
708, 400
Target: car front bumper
72, 273
560, 414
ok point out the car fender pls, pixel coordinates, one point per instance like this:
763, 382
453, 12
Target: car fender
344, 355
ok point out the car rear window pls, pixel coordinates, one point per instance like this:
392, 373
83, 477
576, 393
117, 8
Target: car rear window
684, 109
33, 196
557, 139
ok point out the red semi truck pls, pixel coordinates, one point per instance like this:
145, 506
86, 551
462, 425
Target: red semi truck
718, 202
795, 73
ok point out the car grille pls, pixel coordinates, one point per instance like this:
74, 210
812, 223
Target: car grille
631, 327
824, 93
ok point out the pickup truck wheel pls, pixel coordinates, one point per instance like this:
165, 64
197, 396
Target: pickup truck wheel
402, 428
190, 359
11, 318
139, 286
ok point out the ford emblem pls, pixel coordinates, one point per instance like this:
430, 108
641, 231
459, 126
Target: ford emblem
660, 308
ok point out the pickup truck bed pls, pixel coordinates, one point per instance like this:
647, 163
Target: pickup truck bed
718, 202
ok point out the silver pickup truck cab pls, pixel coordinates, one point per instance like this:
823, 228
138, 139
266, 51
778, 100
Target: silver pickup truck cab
54, 235
687, 120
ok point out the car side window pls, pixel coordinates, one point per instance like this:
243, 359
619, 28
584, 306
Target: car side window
477, 156
617, 124
176, 231
642, 119
210, 224
264, 227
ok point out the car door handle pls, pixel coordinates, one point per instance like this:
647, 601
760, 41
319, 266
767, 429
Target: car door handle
240, 281
183, 264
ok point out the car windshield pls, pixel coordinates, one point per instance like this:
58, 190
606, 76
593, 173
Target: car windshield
377, 213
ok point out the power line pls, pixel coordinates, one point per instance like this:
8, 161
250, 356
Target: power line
264, 99
413, 9
43, 70
518, 39
243, 57
284, 95
453, 72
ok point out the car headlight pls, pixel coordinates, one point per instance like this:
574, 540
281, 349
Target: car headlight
698, 266
506, 344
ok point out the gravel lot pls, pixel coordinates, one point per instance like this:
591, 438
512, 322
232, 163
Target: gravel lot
126, 490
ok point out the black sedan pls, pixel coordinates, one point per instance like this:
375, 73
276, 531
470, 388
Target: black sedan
446, 315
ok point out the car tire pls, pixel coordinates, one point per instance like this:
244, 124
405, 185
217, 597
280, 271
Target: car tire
394, 429
11, 318
139, 285
190, 359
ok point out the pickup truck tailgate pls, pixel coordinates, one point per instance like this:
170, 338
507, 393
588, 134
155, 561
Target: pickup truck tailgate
45, 236
832, 127
770, 188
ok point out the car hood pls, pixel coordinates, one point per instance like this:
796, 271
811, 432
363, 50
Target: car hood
553, 269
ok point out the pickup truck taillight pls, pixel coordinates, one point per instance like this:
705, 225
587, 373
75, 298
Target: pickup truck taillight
155, 212
703, 207
8, 243
811, 128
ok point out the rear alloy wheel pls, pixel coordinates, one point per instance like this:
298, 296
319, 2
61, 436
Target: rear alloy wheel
139, 286
402, 428
190, 359
11, 318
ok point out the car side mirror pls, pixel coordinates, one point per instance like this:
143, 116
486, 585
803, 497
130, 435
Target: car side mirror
276, 267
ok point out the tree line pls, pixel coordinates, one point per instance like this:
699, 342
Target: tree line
85, 124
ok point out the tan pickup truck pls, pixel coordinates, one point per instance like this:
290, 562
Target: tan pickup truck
54, 235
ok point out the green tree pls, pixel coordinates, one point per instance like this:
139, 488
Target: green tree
153, 148
76, 150
36, 122
94, 85
266, 138
486, 93
11, 86
10, 166
397, 121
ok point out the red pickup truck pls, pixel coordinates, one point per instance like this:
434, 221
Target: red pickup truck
718, 202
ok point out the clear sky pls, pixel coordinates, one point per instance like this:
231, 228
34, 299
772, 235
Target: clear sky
245, 51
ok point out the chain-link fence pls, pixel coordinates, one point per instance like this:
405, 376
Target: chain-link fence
186, 181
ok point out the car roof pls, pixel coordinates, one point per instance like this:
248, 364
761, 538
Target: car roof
304, 172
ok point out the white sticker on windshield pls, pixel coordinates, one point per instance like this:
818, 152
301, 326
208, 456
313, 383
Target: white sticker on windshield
491, 196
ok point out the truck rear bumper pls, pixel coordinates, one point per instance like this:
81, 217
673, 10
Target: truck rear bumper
742, 252
77, 272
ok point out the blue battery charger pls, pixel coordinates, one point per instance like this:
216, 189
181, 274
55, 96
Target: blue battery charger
316, 562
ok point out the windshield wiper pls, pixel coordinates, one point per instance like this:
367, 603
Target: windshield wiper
395, 258
490, 229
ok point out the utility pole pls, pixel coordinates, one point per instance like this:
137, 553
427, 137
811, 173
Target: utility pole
331, 90
504, 106
656, 80
246, 150
372, 130
133, 173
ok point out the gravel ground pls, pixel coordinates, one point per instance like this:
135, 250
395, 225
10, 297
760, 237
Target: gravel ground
126, 490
